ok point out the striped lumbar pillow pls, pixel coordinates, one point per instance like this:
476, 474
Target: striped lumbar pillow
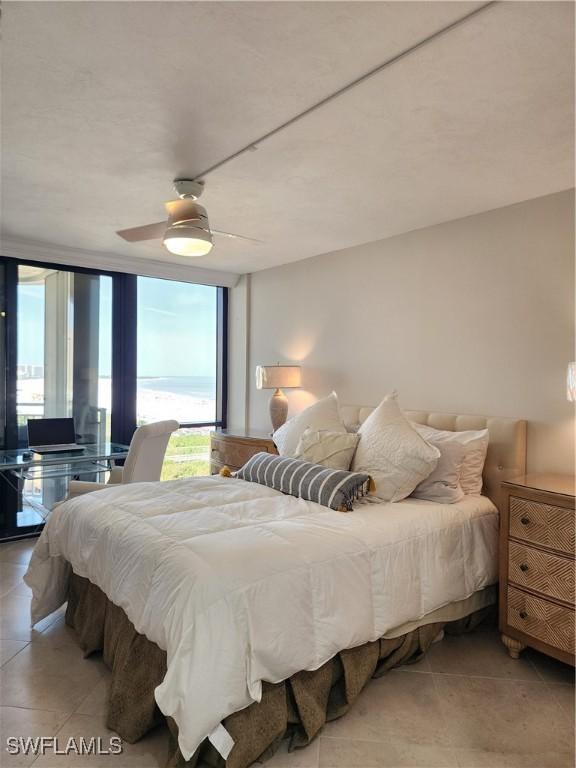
334, 488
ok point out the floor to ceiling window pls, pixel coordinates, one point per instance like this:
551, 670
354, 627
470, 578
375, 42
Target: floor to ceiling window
177, 367
63, 331
112, 351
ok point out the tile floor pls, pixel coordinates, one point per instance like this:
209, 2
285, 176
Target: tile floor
466, 705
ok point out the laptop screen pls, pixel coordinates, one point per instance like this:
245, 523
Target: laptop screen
50, 431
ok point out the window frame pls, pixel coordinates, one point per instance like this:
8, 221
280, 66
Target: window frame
124, 331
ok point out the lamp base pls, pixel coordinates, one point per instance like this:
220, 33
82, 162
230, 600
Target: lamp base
278, 409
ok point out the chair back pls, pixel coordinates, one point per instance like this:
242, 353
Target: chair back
147, 449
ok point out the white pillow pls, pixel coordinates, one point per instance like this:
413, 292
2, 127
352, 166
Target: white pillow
331, 449
443, 484
476, 445
323, 414
392, 452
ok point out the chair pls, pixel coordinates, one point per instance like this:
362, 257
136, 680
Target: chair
143, 463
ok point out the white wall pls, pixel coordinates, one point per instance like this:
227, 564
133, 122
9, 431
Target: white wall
472, 316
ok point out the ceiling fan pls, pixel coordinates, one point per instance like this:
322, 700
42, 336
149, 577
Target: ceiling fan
187, 231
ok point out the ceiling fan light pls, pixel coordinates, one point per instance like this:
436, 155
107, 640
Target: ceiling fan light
188, 246
182, 240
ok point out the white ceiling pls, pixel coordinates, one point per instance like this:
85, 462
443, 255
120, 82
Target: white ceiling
105, 103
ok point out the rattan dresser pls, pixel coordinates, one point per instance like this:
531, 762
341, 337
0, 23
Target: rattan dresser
232, 448
537, 564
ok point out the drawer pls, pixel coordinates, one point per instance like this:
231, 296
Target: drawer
550, 574
544, 524
216, 466
541, 619
234, 454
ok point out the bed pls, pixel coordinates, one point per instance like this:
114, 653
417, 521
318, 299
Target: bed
243, 614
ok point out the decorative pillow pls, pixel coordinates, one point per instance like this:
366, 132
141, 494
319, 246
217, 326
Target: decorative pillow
392, 452
331, 449
323, 414
476, 445
332, 488
443, 484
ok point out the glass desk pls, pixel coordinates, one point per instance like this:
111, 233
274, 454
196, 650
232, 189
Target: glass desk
23, 470
20, 460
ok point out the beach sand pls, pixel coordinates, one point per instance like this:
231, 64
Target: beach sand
152, 404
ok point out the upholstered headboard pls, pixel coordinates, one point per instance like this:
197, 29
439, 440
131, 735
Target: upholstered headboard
506, 451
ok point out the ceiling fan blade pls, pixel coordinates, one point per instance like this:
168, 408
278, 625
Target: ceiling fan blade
147, 232
234, 237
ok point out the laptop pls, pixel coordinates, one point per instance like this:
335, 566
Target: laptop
52, 436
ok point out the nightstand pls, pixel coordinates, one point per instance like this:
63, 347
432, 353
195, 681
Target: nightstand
232, 448
537, 527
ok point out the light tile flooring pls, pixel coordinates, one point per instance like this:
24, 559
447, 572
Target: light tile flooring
466, 704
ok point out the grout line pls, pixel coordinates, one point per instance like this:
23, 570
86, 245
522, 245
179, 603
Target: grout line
26, 644
64, 723
446, 723
556, 700
45, 710
55, 736
20, 639
559, 682
37, 709
535, 668
478, 677
490, 677
543, 678
418, 671
392, 738
387, 737
104, 679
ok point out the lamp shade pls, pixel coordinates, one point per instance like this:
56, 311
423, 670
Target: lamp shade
278, 376
571, 382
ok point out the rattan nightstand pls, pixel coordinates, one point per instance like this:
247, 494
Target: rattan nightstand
537, 532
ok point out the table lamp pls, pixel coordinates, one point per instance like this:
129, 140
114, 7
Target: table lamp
277, 377
571, 382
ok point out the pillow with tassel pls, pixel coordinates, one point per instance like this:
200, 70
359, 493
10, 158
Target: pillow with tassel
333, 488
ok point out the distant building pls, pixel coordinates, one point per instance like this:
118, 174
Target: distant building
29, 371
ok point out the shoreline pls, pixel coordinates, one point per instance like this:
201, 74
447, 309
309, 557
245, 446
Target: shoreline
152, 404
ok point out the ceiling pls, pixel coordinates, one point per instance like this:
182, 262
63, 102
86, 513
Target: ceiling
104, 103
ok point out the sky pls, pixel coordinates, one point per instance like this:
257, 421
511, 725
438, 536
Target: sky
176, 327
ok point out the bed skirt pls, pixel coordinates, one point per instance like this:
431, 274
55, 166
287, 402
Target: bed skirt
295, 709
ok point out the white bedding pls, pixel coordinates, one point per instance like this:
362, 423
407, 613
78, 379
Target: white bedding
239, 583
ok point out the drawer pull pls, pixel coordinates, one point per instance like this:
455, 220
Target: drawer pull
523, 567
523, 615
524, 520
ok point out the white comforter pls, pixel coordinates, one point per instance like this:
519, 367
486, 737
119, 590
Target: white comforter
239, 583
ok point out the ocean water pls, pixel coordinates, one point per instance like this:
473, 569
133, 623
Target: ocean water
193, 386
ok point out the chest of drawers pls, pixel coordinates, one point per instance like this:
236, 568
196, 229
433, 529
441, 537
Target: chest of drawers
537, 566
